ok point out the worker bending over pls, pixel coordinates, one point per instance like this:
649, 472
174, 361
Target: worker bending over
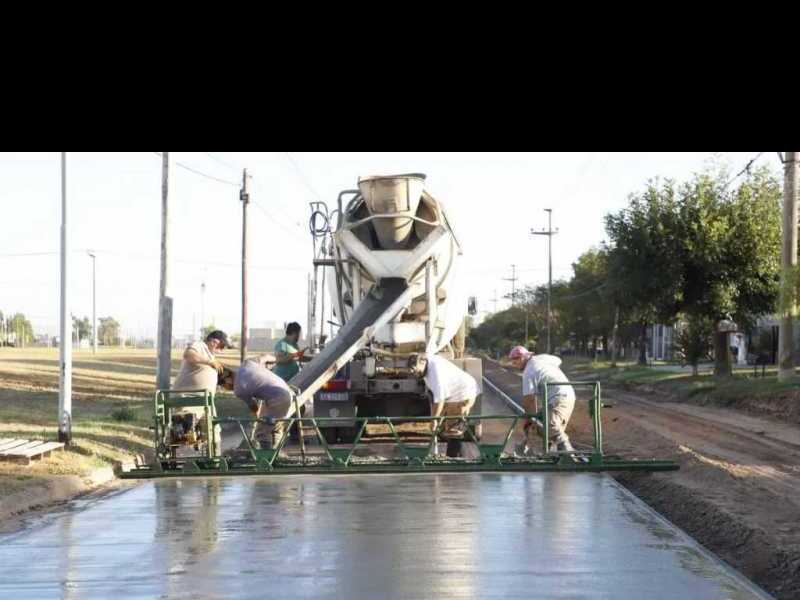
536, 371
200, 370
266, 394
453, 393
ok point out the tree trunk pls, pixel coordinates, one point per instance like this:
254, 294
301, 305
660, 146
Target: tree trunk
695, 370
722, 355
615, 337
643, 344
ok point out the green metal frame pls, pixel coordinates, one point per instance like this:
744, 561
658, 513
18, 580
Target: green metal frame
164, 402
423, 457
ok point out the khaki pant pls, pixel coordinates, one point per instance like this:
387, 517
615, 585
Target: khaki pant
559, 414
269, 435
453, 428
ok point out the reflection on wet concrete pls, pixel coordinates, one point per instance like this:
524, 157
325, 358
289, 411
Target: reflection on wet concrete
376, 536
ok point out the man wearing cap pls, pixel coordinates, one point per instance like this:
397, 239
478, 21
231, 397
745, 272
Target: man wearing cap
536, 371
266, 394
200, 370
453, 393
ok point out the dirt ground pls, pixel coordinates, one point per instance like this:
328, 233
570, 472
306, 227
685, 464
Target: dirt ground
738, 489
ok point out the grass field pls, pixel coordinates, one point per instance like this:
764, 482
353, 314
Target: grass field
111, 408
764, 395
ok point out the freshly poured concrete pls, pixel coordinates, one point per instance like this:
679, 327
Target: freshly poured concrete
377, 536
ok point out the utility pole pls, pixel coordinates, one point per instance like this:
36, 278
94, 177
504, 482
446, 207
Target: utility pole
549, 233
244, 196
789, 264
513, 280
164, 364
94, 303
65, 347
202, 309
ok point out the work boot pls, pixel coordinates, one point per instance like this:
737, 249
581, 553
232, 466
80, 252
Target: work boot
522, 449
564, 446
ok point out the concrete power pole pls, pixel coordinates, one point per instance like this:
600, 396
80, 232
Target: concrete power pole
789, 264
244, 196
549, 233
94, 303
164, 364
65, 343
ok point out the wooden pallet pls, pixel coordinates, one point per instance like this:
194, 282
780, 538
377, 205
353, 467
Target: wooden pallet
24, 451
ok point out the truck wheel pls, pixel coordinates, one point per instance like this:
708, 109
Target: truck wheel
331, 435
348, 434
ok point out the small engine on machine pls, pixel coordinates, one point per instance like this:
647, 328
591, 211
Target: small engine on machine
186, 430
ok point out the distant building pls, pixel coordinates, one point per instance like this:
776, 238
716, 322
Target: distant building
660, 342
262, 339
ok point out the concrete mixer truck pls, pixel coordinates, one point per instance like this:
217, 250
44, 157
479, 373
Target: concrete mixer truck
389, 264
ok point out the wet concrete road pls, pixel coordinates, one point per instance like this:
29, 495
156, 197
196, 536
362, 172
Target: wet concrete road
378, 536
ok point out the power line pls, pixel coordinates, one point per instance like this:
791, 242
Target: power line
583, 293
302, 176
222, 162
744, 170
15, 255
201, 174
197, 262
234, 184
274, 220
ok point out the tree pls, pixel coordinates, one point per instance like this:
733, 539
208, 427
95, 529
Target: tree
108, 331
585, 304
83, 327
643, 264
693, 341
20, 328
208, 329
729, 252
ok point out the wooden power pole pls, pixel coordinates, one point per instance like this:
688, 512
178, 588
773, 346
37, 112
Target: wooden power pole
789, 268
244, 196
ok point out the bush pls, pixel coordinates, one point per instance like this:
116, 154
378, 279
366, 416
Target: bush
123, 414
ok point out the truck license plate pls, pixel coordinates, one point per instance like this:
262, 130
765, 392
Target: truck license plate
334, 396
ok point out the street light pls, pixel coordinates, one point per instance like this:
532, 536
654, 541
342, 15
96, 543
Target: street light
94, 302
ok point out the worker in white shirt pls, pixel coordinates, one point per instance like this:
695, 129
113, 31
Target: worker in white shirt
538, 369
200, 370
453, 393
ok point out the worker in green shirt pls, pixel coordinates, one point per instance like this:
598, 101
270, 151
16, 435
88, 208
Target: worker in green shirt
287, 355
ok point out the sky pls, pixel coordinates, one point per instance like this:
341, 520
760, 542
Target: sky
493, 200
